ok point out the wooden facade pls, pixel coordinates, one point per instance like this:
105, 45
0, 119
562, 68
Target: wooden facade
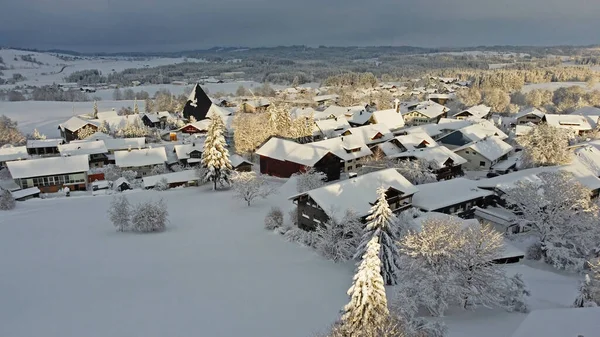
191, 129
330, 164
69, 135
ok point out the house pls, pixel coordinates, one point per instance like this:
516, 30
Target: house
156, 120
189, 154
52, 173
26, 194
579, 125
10, 153
142, 161
121, 185
238, 163
390, 118
442, 99
351, 149
113, 145
503, 220
96, 136
485, 153
530, 115
478, 111
444, 163
326, 100
371, 134
472, 133
98, 154
587, 111
69, 130
282, 158
420, 113
196, 127
575, 322
358, 194
358, 117
106, 114
334, 111
302, 112
253, 106
174, 179
511, 163
197, 105
44, 147
329, 128
405, 143
455, 196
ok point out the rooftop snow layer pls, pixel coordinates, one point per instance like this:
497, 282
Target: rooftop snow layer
437, 154
172, 178
48, 166
434, 196
93, 147
8, 153
390, 118
491, 148
41, 143
143, 157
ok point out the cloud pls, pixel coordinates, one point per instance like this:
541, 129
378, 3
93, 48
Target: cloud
144, 25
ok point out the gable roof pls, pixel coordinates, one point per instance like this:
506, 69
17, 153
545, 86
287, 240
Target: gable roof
437, 154
482, 129
125, 143
570, 122
490, 148
590, 157
430, 109
359, 117
333, 126
98, 136
587, 111
75, 123
48, 166
237, 160
560, 323
529, 111
41, 143
143, 157
342, 146
369, 132
477, 111
434, 196
107, 114
183, 150
277, 148
357, 193
412, 140
73, 149
323, 98
389, 118
172, 178
10, 152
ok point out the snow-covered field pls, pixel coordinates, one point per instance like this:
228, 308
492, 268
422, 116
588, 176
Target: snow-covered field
556, 85
45, 116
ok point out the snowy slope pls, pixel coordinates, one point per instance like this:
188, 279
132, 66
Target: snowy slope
215, 272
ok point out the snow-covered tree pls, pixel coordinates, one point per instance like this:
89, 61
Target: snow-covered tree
37, 135
274, 219
215, 157
589, 290
135, 128
149, 106
136, 108
338, 240
105, 128
149, 217
417, 171
85, 132
129, 175
249, 186
380, 224
545, 145
119, 213
9, 132
158, 170
559, 211
367, 308
299, 235
309, 180
95, 109
162, 185
7, 201
514, 294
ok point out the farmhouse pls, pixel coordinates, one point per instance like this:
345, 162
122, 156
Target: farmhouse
10, 153
69, 130
485, 153
197, 105
351, 149
530, 115
52, 173
253, 106
420, 113
576, 124
196, 127
282, 158
329, 128
174, 179
189, 154
141, 161
455, 196
443, 162
44, 147
478, 111
98, 154
156, 120
357, 194
240, 164
371, 134
390, 118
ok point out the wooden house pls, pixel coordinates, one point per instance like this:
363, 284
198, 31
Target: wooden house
531, 115
254, 106
69, 130
357, 194
52, 173
189, 154
444, 163
455, 196
156, 120
350, 149
142, 161
478, 111
240, 164
485, 153
44, 147
420, 113
96, 150
578, 125
196, 127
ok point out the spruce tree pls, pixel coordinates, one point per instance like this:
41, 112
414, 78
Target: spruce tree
136, 108
95, 109
215, 158
367, 309
380, 224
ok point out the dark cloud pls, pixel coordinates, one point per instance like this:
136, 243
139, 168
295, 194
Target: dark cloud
163, 25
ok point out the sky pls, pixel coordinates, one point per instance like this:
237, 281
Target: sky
173, 25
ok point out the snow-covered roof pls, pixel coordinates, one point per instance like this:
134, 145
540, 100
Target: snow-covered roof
277, 148
73, 149
48, 166
492, 148
359, 117
302, 112
41, 143
496, 215
434, 196
343, 146
199, 125
521, 130
125, 143
172, 178
9, 184
337, 111
323, 98
223, 112
478, 111
481, 130
451, 124
571, 122
563, 322
98, 136
512, 161
143, 157
436, 154
183, 151
237, 160
18, 194
390, 118
107, 114
530, 111
8, 153
589, 156
430, 109
357, 193
587, 111
371, 133
412, 140
334, 126
261, 102
75, 123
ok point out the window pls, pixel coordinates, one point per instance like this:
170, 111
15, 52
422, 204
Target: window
358, 165
349, 167
467, 151
482, 164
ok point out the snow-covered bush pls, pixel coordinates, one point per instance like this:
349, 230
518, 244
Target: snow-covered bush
119, 213
149, 217
298, 235
162, 185
249, 186
514, 294
309, 180
129, 175
589, 290
338, 240
158, 169
7, 201
534, 252
85, 132
36, 135
274, 219
293, 216
111, 172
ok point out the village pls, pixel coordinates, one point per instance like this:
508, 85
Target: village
428, 161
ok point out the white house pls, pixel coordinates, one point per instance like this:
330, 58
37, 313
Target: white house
425, 112
51, 173
483, 154
351, 149
190, 154
333, 127
95, 149
142, 161
371, 134
574, 123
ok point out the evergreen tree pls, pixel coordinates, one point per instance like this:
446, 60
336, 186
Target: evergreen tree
367, 308
136, 108
95, 109
7, 201
149, 105
381, 225
215, 158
